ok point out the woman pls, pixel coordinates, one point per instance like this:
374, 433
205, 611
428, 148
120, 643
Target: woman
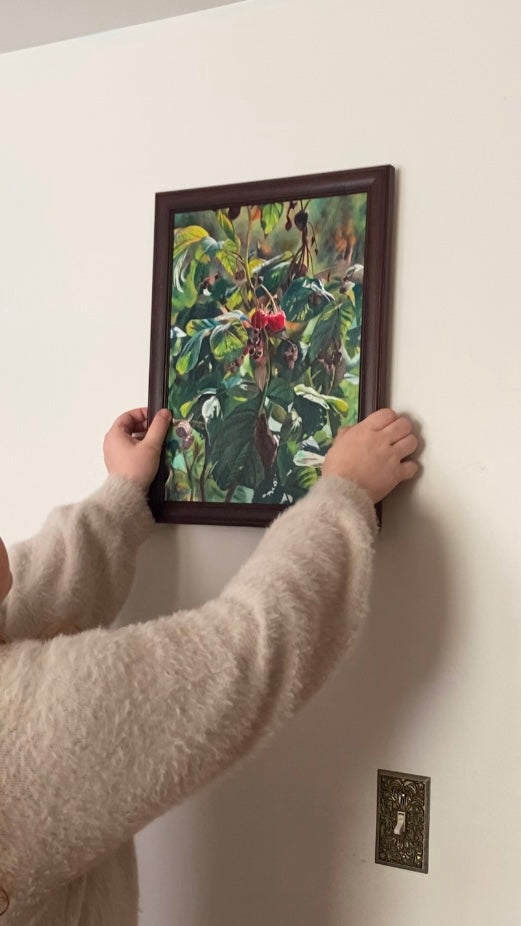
102, 731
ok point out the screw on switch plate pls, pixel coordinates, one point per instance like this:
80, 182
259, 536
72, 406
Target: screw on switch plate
402, 821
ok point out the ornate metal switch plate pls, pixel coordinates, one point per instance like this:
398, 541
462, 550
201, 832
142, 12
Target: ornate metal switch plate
402, 821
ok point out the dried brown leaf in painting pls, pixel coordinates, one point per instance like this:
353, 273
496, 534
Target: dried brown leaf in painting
261, 375
265, 443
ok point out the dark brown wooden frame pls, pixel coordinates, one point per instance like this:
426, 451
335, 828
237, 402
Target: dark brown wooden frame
378, 183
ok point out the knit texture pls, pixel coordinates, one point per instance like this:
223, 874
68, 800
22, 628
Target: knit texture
103, 731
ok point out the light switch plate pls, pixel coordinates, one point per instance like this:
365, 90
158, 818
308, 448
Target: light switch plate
403, 799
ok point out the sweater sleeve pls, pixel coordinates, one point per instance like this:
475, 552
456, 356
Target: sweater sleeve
80, 566
104, 731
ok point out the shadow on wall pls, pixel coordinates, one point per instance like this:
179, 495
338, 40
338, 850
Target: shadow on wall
276, 838
272, 841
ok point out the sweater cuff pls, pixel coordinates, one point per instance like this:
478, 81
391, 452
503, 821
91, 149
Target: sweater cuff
127, 503
339, 489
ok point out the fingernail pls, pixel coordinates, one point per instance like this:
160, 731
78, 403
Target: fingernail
165, 413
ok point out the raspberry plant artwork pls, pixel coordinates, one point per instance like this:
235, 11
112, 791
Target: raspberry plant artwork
262, 310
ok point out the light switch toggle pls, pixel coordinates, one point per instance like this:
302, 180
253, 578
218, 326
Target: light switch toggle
399, 829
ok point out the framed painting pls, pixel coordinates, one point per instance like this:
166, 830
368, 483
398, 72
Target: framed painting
269, 323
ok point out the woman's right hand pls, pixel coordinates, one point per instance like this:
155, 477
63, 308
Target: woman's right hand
373, 453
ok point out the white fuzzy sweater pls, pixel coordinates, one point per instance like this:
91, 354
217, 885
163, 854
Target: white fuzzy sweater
101, 732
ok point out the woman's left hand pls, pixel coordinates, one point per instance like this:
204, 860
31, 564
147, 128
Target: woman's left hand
132, 449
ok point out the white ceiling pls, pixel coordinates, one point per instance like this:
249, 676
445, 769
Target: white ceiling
24, 23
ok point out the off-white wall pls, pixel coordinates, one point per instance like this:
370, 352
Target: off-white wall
34, 22
91, 129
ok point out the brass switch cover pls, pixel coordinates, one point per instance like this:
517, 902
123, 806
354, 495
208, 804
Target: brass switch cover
402, 821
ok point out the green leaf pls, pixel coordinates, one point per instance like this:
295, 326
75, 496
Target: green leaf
270, 215
186, 407
280, 392
284, 462
359, 299
177, 487
327, 331
228, 341
299, 481
188, 389
325, 401
312, 410
310, 395
177, 338
254, 264
235, 458
184, 286
274, 272
353, 340
306, 478
291, 428
191, 404
347, 316
234, 300
212, 491
226, 225
242, 495
240, 390
309, 329
200, 324
278, 414
306, 458
212, 415
340, 405
189, 355
351, 391
227, 255
304, 298
223, 289
322, 378
194, 458
185, 237
336, 421
207, 249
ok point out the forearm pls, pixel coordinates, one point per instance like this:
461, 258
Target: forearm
311, 576
80, 566
127, 723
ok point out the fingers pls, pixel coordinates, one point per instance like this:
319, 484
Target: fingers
406, 445
132, 421
398, 428
408, 469
134, 424
140, 428
158, 429
381, 419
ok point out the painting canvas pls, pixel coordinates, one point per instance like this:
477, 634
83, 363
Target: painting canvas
268, 334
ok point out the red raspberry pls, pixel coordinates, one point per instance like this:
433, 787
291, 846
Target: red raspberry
259, 319
276, 322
